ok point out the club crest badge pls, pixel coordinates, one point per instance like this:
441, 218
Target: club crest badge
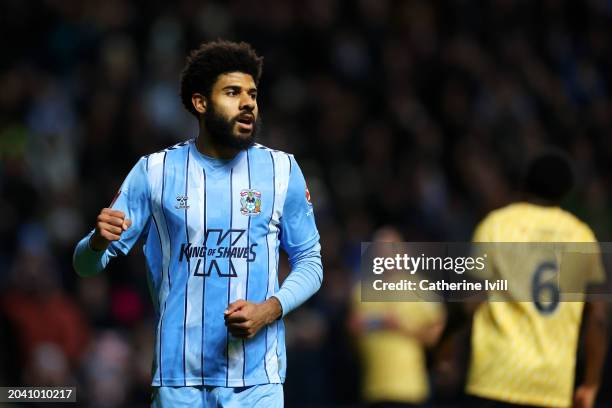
250, 201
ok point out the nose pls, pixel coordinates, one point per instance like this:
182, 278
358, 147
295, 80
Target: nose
247, 102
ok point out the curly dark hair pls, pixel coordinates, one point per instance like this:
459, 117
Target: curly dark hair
549, 176
211, 59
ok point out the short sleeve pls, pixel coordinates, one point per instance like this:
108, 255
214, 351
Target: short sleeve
483, 247
298, 227
482, 231
596, 271
133, 198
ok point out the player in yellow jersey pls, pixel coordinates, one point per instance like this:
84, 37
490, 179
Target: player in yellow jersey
391, 338
524, 353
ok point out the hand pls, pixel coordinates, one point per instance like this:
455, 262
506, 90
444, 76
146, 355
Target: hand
244, 319
585, 395
391, 322
110, 224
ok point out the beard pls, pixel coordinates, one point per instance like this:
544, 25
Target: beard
221, 130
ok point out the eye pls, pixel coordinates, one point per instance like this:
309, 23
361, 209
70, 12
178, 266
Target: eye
232, 92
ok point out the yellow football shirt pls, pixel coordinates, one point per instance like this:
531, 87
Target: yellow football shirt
393, 364
525, 352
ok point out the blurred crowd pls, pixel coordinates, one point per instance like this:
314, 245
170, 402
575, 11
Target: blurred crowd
416, 114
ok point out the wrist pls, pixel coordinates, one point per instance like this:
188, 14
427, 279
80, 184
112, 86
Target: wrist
274, 309
97, 243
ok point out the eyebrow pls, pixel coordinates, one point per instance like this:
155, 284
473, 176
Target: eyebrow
238, 88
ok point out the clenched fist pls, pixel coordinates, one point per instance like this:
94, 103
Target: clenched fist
244, 319
110, 224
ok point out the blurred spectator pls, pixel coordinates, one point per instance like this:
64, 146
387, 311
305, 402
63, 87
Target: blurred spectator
392, 337
108, 371
51, 332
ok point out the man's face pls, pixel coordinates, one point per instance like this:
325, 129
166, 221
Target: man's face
231, 116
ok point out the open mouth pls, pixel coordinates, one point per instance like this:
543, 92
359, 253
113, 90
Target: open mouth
245, 121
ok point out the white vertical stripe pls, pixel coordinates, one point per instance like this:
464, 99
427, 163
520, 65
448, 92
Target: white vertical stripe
155, 175
195, 217
156, 169
240, 182
281, 181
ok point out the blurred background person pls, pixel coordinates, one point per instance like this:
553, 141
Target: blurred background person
392, 338
47, 330
524, 352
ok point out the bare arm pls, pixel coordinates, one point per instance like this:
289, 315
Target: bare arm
428, 334
595, 342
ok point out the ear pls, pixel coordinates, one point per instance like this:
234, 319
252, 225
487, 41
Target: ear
199, 102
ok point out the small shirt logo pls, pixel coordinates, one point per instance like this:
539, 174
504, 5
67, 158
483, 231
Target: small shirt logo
250, 201
181, 202
310, 210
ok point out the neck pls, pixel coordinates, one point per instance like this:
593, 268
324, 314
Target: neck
206, 145
532, 199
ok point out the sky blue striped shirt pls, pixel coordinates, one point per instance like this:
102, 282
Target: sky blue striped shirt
212, 231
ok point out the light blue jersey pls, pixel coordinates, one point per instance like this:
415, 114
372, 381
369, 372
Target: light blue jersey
212, 231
